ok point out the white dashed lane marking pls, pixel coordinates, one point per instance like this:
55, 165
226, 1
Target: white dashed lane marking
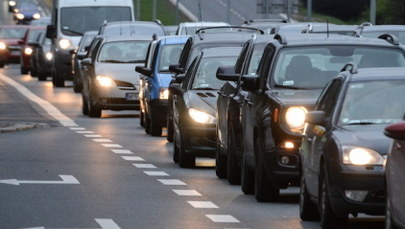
84, 132
171, 182
111, 145
145, 166
202, 204
156, 173
132, 158
185, 192
77, 128
93, 136
222, 219
101, 140
122, 151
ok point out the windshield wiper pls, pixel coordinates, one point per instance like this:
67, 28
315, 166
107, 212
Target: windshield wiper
288, 87
204, 88
135, 61
113, 61
72, 31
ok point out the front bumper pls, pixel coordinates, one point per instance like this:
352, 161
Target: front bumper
199, 140
116, 99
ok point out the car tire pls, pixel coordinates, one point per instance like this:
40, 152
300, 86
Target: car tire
186, 160
41, 75
77, 85
233, 169
155, 128
308, 209
327, 217
2, 64
93, 109
142, 119
175, 150
85, 107
24, 71
147, 123
169, 125
389, 223
265, 191
247, 179
57, 81
220, 161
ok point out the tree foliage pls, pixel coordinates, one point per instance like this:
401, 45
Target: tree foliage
391, 12
342, 9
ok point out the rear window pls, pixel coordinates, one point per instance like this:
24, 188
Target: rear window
12, 33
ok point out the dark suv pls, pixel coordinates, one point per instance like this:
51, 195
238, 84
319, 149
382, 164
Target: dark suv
289, 80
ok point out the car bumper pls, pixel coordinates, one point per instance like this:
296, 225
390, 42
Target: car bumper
10, 56
349, 180
117, 99
199, 140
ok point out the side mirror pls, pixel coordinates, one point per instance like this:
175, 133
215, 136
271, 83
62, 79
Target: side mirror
176, 89
72, 51
176, 69
87, 48
144, 71
50, 31
316, 118
249, 82
87, 61
227, 73
81, 55
396, 131
179, 78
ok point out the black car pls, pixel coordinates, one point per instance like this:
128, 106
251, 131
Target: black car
344, 149
41, 57
229, 128
209, 37
194, 105
77, 55
289, 79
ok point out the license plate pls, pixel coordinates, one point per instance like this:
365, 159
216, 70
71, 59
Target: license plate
131, 96
15, 53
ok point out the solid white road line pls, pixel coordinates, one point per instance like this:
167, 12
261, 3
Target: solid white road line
222, 219
202, 204
171, 182
185, 192
48, 107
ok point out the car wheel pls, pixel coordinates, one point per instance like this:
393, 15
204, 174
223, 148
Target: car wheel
147, 123
23, 70
93, 109
186, 160
233, 170
77, 85
34, 72
264, 189
2, 64
247, 179
85, 107
389, 224
327, 216
220, 162
308, 209
57, 81
41, 75
142, 119
175, 150
155, 128
169, 129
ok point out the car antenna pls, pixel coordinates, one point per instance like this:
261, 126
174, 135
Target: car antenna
327, 27
200, 11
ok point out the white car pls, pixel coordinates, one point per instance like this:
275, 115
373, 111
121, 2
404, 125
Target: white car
188, 28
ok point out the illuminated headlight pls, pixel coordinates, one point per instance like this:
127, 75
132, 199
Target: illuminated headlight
11, 3
295, 118
105, 81
65, 43
49, 56
164, 93
361, 156
3, 46
19, 16
28, 51
36, 16
201, 117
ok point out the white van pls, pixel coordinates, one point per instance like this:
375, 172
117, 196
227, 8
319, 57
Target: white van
71, 19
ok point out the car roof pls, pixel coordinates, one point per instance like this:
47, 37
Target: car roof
221, 51
332, 28
372, 74
383, 28
221, 37
202, 23
109, 38
174, 39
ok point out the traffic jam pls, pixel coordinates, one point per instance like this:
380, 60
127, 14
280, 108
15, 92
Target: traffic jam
273, 105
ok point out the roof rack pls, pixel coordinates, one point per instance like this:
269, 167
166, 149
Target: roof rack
351, 66
280, 39
390, 38
266, 20
239, 28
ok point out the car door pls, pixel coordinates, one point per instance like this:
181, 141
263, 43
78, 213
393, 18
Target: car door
317, 135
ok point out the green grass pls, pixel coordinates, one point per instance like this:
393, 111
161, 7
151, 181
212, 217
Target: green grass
165, 12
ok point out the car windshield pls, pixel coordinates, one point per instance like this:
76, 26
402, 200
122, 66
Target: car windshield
75, 21
312, 67
375, 102
34, 34
170, 54
205, 76
28, 6
123, 52
255, 59
399, 34
12, 33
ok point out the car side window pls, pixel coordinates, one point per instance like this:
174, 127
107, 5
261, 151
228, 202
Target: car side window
329, 96
241, 59
93, 53
265, 65
190, 72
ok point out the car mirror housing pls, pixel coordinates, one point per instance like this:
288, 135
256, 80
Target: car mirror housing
227, 73
179, 78
176, 69
396, 131
144, 71
50, 32
316, 118
87, 61
176, 89
81, 55
249, 82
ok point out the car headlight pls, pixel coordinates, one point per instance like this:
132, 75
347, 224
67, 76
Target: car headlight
295, 118
105, 81
361, 156
36, 16
19, 16
28, 51
163, 93
49, 56
65, 43
3, 46
201, 117
11, 3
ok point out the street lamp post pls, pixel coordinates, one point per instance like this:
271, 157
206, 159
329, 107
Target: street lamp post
373, 11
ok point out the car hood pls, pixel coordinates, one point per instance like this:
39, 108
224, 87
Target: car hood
296, 97
203, 100
122, 72
369, 136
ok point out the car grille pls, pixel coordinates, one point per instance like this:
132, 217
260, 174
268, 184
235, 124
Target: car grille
122, 85
205, 95
14, 47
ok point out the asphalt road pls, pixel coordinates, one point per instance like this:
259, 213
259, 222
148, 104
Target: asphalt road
81, 172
